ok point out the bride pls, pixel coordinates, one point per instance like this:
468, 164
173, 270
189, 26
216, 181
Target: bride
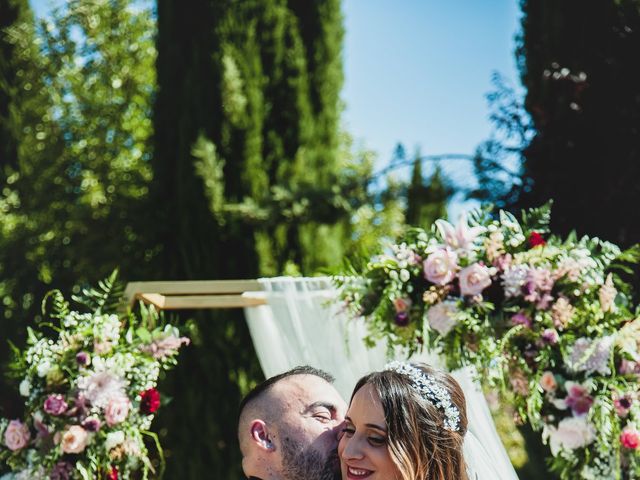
406, 422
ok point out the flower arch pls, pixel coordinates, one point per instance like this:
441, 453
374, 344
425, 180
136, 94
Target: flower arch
546, 318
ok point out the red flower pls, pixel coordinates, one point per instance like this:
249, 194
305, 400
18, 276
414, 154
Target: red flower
630, 438
113, 474
536, 240
149, 401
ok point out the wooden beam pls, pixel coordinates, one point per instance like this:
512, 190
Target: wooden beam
135, 290
191, 302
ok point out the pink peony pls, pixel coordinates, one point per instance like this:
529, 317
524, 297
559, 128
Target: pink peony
572, 433
578, 398
474, 279
548, 382
74, 439
440, 267
55, 405
441, 317
16, 435
630, 438
117, 410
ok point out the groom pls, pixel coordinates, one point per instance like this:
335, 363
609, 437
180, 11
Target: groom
289, 426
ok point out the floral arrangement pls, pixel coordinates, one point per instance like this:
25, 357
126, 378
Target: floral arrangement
548, 319
90, 393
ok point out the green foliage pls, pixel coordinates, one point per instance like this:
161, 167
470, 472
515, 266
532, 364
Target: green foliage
83, 165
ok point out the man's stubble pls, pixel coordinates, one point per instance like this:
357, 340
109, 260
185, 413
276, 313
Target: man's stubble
305, 463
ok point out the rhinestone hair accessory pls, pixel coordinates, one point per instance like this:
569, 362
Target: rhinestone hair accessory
430, 390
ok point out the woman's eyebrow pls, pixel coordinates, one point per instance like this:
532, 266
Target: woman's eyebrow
347, 418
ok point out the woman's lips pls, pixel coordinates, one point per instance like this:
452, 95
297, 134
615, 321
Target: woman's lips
354, 473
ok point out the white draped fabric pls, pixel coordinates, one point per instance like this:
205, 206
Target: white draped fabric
303, 324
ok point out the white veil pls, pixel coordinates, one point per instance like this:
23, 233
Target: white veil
302, 324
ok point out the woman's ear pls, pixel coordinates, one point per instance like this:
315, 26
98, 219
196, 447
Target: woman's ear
261, 436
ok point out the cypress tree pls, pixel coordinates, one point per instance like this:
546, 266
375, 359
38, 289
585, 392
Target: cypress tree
578, 63
426, 201
246, 114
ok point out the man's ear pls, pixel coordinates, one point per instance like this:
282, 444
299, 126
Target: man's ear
261, 436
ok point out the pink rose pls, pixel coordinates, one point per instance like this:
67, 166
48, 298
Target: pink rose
117, 410
548, 382
474, 279
440, 267
630, 438
441, 317
16, 435
55, 405
74, 439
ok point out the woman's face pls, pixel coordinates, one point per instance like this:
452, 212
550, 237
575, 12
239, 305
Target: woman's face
363, 449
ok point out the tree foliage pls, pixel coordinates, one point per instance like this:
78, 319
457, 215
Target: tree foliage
583, 95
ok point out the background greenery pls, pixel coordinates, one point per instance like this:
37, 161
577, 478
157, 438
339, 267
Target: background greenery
203, 140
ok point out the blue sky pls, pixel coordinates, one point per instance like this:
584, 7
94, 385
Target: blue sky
417, 72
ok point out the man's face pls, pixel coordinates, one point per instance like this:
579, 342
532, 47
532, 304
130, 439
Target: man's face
312, 416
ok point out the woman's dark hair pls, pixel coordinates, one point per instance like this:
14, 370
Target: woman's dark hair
419, 444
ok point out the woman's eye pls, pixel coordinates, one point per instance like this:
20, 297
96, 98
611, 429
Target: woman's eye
377, 441
348, 431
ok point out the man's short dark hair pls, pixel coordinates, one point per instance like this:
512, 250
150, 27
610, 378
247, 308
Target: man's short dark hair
263, 387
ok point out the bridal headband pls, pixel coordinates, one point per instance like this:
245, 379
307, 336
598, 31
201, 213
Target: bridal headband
430, 390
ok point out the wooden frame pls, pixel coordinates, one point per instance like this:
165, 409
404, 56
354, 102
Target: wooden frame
196, 294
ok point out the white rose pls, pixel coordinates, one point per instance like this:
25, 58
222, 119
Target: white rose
571, 433
113, 440
441, 316
25, 387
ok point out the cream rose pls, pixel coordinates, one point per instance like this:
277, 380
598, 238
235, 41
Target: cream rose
16, 435
474, 279
440, 267
441, 317
74, 439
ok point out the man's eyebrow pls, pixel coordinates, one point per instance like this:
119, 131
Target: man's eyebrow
347, 418
321, 404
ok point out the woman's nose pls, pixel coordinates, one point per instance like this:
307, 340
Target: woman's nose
352, 448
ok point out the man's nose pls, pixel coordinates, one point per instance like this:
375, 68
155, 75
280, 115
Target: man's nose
338, 429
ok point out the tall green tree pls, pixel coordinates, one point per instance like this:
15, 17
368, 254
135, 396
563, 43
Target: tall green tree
246, 144
579, 64
71, 210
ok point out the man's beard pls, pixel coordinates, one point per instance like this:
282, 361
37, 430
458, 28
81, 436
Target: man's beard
308, 464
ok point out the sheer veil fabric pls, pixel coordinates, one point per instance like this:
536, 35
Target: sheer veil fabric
303, 324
